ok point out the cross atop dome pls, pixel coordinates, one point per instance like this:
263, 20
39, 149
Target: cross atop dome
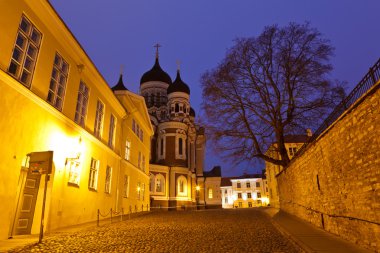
157, 46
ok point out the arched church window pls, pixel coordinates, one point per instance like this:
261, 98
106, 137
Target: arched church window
180, 144
182, 186
160, 183
176, 107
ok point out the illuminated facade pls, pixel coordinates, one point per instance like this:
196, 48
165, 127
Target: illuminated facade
178, 144
292, 143
54, 99
244, 192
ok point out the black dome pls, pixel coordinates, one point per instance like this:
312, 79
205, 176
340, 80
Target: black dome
178, 85
119, 85
156, 74
192, 112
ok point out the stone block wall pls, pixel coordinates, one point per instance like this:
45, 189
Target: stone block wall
335, 183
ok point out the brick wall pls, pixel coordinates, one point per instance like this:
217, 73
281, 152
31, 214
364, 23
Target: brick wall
335, 183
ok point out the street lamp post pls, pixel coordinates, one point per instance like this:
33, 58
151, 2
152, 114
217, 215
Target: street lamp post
197, 188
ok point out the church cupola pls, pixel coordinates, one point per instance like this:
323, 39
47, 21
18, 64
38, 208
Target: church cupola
178, 85
119, 85
156, 74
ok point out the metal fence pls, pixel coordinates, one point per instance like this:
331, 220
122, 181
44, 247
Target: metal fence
368, 81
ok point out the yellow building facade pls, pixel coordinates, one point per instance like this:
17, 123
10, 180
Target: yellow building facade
54, 99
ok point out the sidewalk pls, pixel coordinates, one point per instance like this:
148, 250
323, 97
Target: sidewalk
308, 237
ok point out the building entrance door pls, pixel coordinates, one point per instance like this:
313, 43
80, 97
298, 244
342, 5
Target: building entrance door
28, 203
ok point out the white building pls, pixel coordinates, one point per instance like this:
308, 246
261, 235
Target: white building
244, 191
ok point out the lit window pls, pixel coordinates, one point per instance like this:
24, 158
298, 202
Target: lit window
127, 150
99, 119
82, 101
93, 178
58, 82
210, 193
111, 135
107, 188
239, 195
248, 184
126, 186
25, 52
74, 172
257, 184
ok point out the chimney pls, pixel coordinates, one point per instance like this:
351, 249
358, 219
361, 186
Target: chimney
309, 133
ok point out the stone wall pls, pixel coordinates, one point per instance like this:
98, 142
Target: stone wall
335, 183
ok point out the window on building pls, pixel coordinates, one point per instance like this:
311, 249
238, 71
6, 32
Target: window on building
180, 108
225, 191
160, 183
210, 193
98, 127
137, 130
133, 125
111, 134
225, 200
239, 195
58, 82
143, 163
249, 204
292, 151
181, 186
82, 101
107, 187
141, 135
25, 52
249, 195
74, 172
138, 191
162, 147
257, 184
248, 184
176, 108
258, 195
139, 161
127, 150
238, 185
180, 148
126, 187
93, 178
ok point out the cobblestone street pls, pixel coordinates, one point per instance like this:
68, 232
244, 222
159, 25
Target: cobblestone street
244, 230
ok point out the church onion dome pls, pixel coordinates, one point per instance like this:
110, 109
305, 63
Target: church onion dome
178, 85
119, 85
156, 74
192, 112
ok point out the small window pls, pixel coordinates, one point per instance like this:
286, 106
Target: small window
58, 81
160, 183
99, 119
210, 193
82, 101
74, 172
127, 150
107, 187
248, 185
111, 135
225, 191
25, 52
249, 195
257, 184
258, 195
176, 108
239, 195
238, 185
93, 178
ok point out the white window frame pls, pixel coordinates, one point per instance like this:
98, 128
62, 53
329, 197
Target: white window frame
22, 55
108, 181
99, 117
57, 87
94, 174
74, 172
111, 133
82, 103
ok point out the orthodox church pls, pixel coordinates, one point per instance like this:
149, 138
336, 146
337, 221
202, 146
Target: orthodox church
177, 179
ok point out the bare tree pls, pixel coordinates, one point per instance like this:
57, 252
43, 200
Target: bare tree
266, 87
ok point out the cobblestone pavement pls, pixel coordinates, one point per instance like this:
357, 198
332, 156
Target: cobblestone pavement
242, 230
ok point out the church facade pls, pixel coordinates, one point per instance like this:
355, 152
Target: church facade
177, 178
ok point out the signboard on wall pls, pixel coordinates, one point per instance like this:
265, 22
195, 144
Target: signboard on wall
41, 162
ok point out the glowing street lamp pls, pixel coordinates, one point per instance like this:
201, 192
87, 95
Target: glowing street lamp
197, 188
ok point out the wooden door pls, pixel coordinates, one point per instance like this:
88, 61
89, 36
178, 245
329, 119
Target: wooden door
27, 204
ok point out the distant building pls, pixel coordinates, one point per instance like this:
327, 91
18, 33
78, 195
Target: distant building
249, 190
292, 143
53, 98
177, 178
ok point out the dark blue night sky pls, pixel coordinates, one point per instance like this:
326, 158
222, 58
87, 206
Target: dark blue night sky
198, 32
